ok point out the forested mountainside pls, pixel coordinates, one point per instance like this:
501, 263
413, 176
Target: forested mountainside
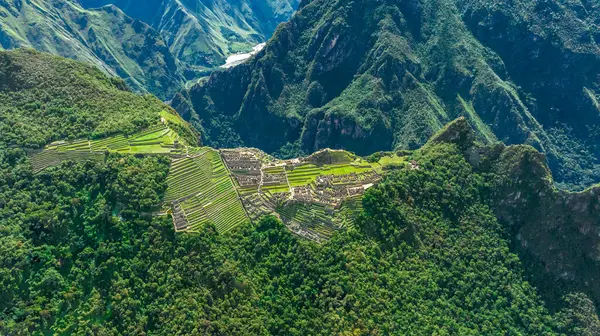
104, 37
376, 75
188, 39
452, 243
45, 98
202, 33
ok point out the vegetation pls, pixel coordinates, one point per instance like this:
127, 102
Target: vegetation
103, 37
459, 238
201, 190
428, 256
201, 34
45, 98
206, 192
132, 40
374, 75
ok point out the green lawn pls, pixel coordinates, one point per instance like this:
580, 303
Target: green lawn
308, 173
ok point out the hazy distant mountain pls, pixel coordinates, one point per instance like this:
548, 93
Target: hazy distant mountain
201, 33
105, 37
155, 46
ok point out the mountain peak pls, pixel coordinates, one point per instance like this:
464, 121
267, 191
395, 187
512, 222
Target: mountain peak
380, 75
458, 132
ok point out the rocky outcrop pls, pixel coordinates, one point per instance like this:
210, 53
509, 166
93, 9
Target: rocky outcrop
556, 233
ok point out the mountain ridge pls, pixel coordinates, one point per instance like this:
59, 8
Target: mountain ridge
202, 34
150, 59
435, 248
393, 77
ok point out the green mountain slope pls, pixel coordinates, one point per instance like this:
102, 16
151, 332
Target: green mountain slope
156, 49
202, 33
376, 75
451, 243
44, 98
105, 37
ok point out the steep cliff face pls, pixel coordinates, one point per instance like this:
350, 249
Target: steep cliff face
556, 233
376, 75
104, 37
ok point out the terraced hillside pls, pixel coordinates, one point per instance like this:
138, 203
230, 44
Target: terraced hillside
158, 139
200, 191
313, 196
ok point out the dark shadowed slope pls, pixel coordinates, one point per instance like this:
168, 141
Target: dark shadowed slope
371, 75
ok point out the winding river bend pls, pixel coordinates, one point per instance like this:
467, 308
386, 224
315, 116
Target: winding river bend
236, 59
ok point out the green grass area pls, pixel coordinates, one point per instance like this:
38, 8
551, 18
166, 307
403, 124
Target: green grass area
346, 169
389, 161
150, 149
392, 160
303, 175
248, 190
278, 188
274, 170
172, 118
308, 173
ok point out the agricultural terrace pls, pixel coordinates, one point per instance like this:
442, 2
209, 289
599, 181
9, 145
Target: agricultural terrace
47, 159
201, 192
158, 139
313, 196
307, 173
311, 220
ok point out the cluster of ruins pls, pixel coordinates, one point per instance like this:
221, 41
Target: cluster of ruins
242, 160
318, 200
179, 219
247, 180
274, 178
303, 194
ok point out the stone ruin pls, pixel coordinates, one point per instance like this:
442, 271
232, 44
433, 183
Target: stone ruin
179, 219
242, 160
303, 194
247, 180
274, 178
